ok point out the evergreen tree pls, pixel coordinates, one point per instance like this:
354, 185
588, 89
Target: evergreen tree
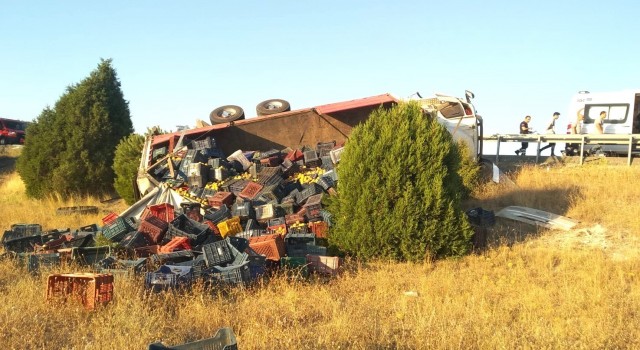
399, 190
125, 166
70, 148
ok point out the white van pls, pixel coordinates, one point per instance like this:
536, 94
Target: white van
623, 114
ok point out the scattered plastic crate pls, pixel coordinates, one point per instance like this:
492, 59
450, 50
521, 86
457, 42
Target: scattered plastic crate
173, 232
176, 243
134, 239
335, 154
223, 340
230, 227
219, 215
240, 158
90, 289
265, 212
25, 230
309, 190
294, 218
257, 265
192, 227
280, 229
221, 198
271, 246
295, 266
319, 228
23, 244
324, 148
313, 206
192, 156
298, 228
37, 261
153, 228
144, 252
168, 277
89, 256
326, 265
229, 275
205, 143
163, 211
109, 219
251, 190
169, 258
217, 253
244, 210
117, 230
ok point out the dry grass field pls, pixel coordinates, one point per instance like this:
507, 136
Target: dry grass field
530, 289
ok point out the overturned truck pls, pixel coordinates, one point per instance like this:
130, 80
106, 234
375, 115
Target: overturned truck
276, 131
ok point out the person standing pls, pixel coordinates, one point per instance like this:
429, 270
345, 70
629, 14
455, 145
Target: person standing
551, 130
524, 129
599, 123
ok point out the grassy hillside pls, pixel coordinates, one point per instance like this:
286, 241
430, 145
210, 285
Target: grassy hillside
532, 288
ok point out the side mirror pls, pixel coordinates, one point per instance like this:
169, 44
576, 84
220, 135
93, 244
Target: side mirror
469, 95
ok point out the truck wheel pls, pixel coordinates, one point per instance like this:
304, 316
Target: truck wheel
272, 106
226, 114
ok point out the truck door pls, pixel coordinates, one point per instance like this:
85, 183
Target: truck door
458, 117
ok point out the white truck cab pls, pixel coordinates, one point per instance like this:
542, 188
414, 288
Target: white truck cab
623, 114
459, 117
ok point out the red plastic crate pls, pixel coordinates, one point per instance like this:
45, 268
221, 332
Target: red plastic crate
294, 218
251, 190
271, 246
295, 155
109, 219
145, 252
153, 228
177, 243
88, 288
164, 212
320, 228
220, 198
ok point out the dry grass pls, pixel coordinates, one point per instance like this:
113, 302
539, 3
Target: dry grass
531, 289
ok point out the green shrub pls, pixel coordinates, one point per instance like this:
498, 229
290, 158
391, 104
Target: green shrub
70, 148
125, 166
399, 191
469, 169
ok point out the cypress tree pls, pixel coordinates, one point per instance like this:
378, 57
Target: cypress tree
70, 148
399, 190
125, 165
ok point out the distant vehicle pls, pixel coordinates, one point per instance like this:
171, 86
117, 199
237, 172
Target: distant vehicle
623, 115
12, 131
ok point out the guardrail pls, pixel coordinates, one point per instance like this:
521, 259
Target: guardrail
582, 139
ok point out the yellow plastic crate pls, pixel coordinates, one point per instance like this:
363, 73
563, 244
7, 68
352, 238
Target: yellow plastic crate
230, 227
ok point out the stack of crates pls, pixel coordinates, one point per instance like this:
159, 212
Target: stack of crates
90, 289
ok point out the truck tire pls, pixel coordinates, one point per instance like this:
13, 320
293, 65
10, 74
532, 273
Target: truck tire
272, 106
82, 210
226, 114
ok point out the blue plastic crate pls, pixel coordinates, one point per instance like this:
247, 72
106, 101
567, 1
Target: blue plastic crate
171, 258
168, 277
90, 256
37, 261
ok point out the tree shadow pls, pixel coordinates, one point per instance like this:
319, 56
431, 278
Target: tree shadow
7, 163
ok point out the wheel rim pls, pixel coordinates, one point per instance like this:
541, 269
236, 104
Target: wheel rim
228, 113
273, 105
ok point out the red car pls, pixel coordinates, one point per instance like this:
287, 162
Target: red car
12, 131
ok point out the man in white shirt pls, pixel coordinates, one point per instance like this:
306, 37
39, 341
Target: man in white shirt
551, 130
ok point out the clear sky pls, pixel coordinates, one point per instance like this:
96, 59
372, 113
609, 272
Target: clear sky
178, 60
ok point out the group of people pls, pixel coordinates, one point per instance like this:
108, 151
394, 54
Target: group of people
575, 129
